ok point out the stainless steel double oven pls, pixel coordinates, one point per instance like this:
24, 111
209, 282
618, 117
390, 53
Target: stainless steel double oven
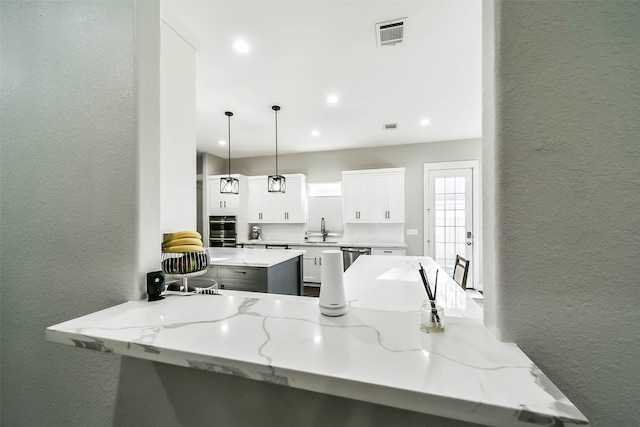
222, 231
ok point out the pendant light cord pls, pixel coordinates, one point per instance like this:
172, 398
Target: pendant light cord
276, 142
229, 129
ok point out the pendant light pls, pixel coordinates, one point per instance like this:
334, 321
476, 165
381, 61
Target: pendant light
229, 185
277, 182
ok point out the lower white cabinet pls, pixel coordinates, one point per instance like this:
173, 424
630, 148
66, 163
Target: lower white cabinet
312, 262
388, 251
312, 268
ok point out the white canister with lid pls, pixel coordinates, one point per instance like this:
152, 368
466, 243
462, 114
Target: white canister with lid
333, 301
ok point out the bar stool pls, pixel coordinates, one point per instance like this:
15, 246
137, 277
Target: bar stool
460, 271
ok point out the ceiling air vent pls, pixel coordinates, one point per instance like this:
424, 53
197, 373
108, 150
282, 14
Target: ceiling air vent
390, 126
389, 33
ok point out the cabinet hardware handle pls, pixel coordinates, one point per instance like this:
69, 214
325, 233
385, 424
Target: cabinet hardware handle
220, 203
315, 261
387, 252
225, 203
241, 272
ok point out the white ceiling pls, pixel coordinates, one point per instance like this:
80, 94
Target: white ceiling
301, 51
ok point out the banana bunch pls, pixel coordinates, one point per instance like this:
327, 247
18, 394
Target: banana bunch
183, 252
183, 241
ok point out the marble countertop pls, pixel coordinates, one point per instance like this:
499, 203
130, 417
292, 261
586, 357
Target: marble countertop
336, 243
375, 353
251, 257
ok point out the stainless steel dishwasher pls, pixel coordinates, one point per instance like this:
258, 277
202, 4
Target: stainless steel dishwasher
349, 255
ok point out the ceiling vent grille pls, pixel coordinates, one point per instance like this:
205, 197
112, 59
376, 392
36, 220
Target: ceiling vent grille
389, 33
390, 126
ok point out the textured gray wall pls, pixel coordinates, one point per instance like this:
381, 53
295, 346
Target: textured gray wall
566, 160
68, 198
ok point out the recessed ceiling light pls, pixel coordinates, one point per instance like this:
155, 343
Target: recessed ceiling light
332, 99
240, 46
425, 122
221, 142
315, 132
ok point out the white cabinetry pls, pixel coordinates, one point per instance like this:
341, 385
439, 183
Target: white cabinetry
288, 207
223, 204
388, 197
312, 262
357, 197
375, 195
217, 204
312, 268
388, 251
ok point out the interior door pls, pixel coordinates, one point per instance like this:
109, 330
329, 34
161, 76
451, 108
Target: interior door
449, 218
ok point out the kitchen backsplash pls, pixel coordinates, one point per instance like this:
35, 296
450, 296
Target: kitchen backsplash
373, 233
280, 232
356, 233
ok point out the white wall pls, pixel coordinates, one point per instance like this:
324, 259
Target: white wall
178, 132
566, 167
327, 166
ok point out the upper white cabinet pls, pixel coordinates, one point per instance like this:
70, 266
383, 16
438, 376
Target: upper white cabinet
288, 207
375, 195
357, 197
224, 204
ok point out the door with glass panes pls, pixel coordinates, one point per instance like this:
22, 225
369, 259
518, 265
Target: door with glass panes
449, 221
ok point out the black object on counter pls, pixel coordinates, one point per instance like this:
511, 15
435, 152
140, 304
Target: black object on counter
155, 285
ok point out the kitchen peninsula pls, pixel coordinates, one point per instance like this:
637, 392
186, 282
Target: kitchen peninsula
257, 270
375, 353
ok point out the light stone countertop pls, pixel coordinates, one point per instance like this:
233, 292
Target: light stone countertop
337, 243
375, 352
251, 257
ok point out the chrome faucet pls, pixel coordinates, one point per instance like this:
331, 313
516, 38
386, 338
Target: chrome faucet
323, 230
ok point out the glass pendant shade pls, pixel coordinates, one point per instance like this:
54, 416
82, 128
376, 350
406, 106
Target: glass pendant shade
277, 183
229, 185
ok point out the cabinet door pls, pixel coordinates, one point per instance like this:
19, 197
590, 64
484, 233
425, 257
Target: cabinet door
380, 183
257, 199
350, 198
294, 201
311, 270
395, 197
221, 204
215, 198
388, 197
358, 198
365, 198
